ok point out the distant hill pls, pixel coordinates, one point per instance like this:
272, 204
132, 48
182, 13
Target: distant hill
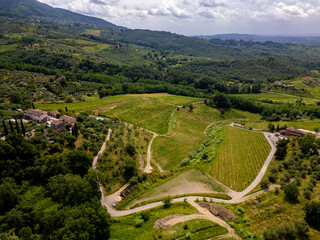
41, 11
259, 38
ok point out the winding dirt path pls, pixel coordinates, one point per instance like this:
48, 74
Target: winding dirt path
237, 197
148, 168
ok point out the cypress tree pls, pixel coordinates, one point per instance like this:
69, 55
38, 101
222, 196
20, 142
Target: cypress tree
33, 106
76, 131
72, 132
17, 126
11, 127
5, 129
22, 127
66, 109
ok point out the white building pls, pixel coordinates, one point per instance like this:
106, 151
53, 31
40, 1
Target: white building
36, 115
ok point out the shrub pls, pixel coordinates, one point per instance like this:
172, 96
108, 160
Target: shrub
185, 162
264, 184
167, 202
138, 222
312, 211
291, 192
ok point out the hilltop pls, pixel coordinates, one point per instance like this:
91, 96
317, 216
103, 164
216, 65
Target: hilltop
44, 12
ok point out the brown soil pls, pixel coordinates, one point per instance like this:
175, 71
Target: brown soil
219, 211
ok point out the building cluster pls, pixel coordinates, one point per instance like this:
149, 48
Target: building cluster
53, 118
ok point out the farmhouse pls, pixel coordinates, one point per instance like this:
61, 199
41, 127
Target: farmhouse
36, 115
294, 132
58, 125
68, 119
54, 113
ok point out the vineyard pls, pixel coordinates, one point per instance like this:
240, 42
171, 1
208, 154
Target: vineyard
239, 157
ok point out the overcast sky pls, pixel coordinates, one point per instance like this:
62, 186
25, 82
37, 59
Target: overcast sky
205, 17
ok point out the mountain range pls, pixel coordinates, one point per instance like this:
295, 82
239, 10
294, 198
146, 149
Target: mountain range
44, 12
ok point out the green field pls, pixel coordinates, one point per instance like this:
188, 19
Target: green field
93, 32
147, 113
276, 97
190, 127
239, 157
124, 227
308, 125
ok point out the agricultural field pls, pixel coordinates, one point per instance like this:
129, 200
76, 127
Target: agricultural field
190, 133
93, 32
283, 98
308, 125
239, 157
126, 227
196, 181
125, 153
147, 113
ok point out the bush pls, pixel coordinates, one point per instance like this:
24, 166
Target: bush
302, 228
138, 222
145, 216
312, 211
185, 162
167, 202
264, 184
291, 192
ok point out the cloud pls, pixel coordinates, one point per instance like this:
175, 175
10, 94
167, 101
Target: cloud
202, 15
179, 13
211, 3
98, 2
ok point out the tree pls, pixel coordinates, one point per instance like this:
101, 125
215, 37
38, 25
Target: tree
22, 127
264, 184
312, 211
281, 149
33, 106
66, 109
130, 149
78, 161
17, 126
5, 129
307, 144
291, 192
11, 127
190, 107
221, 101
71, 140
271, 127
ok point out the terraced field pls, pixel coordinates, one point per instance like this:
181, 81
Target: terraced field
239, 157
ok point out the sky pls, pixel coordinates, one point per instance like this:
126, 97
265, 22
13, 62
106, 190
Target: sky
205, 17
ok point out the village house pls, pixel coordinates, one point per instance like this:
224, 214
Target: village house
292, 132
58, 125
36, 115
59, 79
54, 113
68, 119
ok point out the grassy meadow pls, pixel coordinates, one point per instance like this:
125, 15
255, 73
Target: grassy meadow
125, 227
239, 157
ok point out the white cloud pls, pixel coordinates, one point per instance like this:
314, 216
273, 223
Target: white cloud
203, 16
